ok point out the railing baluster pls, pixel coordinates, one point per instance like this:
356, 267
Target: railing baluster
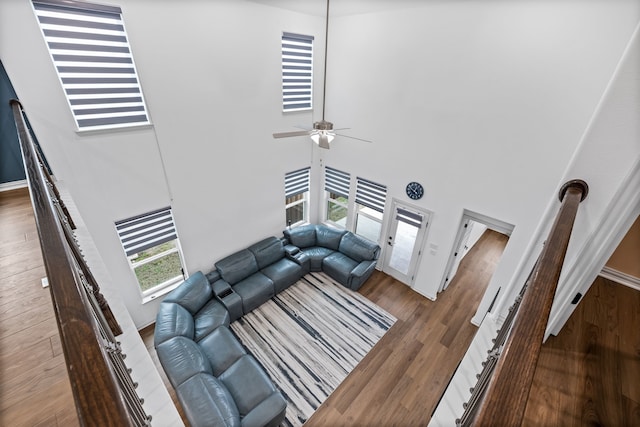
103, 389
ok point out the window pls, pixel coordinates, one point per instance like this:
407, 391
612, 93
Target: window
297, 72
90, 51
152, 247
336, 185
296, 192
370, 201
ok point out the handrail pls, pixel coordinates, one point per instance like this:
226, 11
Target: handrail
505, 400
102, 387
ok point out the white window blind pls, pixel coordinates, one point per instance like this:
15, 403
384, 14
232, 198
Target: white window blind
145, 231
408, 217
337, 182
297, 72
90, 50
296, 182
371, 194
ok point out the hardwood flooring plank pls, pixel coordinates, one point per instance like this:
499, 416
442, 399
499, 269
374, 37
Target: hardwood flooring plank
586, 372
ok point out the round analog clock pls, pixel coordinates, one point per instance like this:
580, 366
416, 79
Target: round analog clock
414, 190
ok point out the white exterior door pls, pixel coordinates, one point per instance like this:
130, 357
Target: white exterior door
404, 242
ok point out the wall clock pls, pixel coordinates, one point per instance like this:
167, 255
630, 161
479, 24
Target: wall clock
414, 190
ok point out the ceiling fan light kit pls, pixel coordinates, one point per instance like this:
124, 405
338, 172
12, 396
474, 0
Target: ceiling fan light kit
322, 133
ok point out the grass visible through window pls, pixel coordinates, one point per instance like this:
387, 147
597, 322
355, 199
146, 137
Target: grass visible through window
158, 271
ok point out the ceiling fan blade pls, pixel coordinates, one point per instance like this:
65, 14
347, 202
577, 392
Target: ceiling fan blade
353, 137
290, 134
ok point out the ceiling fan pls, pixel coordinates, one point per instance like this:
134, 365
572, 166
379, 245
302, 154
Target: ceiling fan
322, 132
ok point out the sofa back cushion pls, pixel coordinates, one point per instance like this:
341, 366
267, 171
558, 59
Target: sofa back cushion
192, 294
328, 237
302, 237
359, 249
173, 320
207, 402
267, 251
237, 267
182, 358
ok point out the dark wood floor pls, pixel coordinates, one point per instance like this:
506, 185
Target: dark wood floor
34, 386
588, 375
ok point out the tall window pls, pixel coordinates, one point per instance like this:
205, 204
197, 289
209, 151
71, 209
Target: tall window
90, 50
296, 192
370, 200
336, 185
297, 72
151, 244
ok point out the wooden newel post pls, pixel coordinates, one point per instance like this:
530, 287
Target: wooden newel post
506, 398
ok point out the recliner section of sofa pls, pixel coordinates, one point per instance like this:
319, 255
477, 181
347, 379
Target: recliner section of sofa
343, 255
217, 382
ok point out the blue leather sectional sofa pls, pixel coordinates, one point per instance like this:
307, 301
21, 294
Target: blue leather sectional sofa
217, 382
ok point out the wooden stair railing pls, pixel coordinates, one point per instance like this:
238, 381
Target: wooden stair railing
510, 368
101, 383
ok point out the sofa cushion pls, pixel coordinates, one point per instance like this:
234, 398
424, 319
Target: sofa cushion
207, 402
222, 349
329, 237
237, 266
284, 273
181, 359
267, 251
172, 320
302, 237
358, 248
192, 294
339, 266
316, 254
248, 384
254, 291
212, 315
269, 413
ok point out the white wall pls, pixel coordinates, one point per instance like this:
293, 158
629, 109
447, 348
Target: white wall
483, 102
211, 76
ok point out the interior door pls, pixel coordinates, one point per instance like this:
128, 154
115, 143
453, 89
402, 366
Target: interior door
405, 239
457, 256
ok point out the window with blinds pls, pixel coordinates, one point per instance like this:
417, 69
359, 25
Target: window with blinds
151, 244
297, 72
296, 193
371, 195
370, 200
337, 186
90, 51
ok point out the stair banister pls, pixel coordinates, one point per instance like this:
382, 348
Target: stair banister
92, 355
505, 400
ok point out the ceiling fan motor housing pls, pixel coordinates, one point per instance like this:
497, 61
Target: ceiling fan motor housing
323, 125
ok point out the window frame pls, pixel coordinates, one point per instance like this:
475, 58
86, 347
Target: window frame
297, 72
160, 230
370, 196
296, 183
336, 182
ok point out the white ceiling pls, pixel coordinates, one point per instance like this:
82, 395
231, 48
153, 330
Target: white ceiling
340, 7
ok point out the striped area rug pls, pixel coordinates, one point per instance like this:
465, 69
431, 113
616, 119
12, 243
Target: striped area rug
309, 337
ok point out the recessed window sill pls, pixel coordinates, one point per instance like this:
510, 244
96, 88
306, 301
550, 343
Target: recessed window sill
160, 292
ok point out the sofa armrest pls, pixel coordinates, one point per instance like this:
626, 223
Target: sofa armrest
221, 288
361, 273
291, 250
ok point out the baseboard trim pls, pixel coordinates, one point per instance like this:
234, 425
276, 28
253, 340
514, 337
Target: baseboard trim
13, 185
621, 278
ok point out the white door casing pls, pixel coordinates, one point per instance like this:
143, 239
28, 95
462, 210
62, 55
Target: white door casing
405, 241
